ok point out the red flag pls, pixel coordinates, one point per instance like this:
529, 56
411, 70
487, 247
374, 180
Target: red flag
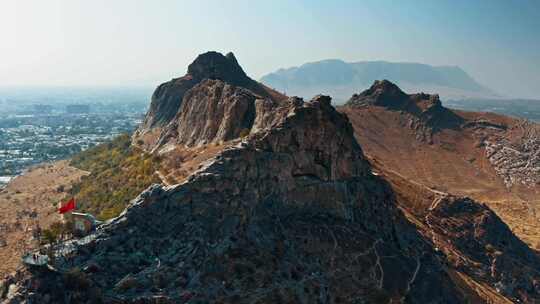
67, 207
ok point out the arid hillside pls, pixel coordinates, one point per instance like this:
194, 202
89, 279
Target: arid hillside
491, 158
28, 202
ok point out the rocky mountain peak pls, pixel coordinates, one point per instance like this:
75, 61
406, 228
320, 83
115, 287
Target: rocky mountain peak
214, 65
385, 86
215, 87
381, 93
387, 94
230, 56
422, 112
322, 99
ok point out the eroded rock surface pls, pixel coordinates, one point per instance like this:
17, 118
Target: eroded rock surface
215, 111
214, 101
517, 161
478, 243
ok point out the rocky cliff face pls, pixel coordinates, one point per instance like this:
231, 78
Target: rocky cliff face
215, 111
167, 98
180, 105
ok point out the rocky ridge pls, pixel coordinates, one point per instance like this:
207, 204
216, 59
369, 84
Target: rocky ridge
425, 113
283, 216
291, 214
510, 145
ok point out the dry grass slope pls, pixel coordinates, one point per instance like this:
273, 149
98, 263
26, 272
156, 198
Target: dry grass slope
454, 162
29, 201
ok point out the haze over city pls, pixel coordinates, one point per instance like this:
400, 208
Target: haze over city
115, 43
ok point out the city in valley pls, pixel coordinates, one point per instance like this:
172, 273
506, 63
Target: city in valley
36, 129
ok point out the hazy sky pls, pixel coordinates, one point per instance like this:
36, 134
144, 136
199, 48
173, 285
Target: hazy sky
136, 42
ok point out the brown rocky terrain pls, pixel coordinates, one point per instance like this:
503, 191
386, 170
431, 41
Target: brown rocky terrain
275, 201
29, 203
426, 115
473, 240
489, 157
479, 244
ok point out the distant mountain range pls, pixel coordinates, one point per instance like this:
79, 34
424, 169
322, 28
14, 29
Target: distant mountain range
341, 79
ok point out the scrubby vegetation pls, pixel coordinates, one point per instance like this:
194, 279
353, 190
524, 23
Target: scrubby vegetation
118, 173
57, 231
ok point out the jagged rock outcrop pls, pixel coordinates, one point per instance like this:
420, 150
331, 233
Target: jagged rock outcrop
478, 243
167, 98
200, 122
425, 113
215, 111
212, 76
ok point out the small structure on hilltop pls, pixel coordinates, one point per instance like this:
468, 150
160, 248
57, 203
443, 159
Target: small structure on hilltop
83, 223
